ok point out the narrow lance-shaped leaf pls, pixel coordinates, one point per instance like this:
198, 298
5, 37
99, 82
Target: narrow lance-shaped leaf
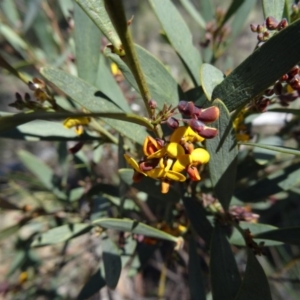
210, 77
162, 86
196, 285
261, 69
96, 11
255, 285
112, 261
178, 35
134, 227
87, 44
191, 9
223, 156
288, 235
273, 8
60, 234
88, 97
224, 274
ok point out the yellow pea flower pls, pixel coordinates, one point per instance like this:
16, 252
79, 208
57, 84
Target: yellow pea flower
185, 134
173, 150
150, 146
77, 123
133, 163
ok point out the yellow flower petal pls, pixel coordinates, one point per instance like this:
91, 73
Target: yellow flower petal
132, 162
175, 176
165, 186
174, 150
185, 134
72, 122
158, 154
156, 173
150, 146
181, 163
200, 156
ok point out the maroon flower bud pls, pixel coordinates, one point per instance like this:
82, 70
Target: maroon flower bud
253, 27
27, 97
282, 24
278, 88
271, 23
261, 28
19, 97
137, 177
161, 142
195, 124
209, 115
172, 123
294, 71
260, 37
186, 108
266, 35
295, 82
76, 148
269, 92
152, 104
208, 132
289, 97
284, 78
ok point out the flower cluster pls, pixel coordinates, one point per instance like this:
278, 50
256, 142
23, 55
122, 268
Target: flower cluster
167, 160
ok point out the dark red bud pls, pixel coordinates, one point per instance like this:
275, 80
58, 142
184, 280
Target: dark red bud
253, 27
261, 28
186, 108
27, 97
266, 35
195, 124
208, 132
260, 37
294, 71
278, 88
282, 24
172, 123
295, 82
161, 142
289, 97
271, 23
269, 92
19, 97
137, 177
76, 148
152, 104
284, 78
209, 115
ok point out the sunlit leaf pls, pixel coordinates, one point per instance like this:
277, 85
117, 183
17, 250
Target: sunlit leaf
191, 9
178, 35
273, 8
210, 77
60, 234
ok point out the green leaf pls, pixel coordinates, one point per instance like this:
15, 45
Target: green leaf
60, 234
191, 9
288, 235
281, 180
224, 274
134, 227
285, 150
255, 285
88, 43
263, 155
259, 70
92, 286
46, 131
255, 228
41, 171
109, 87
96, 11
223, 156
11, 230
234, 6
196, 285
273, 8
197, 216
162, 86
210, 77
10, 12
112, 262
207, 10
178, 35
88, 97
